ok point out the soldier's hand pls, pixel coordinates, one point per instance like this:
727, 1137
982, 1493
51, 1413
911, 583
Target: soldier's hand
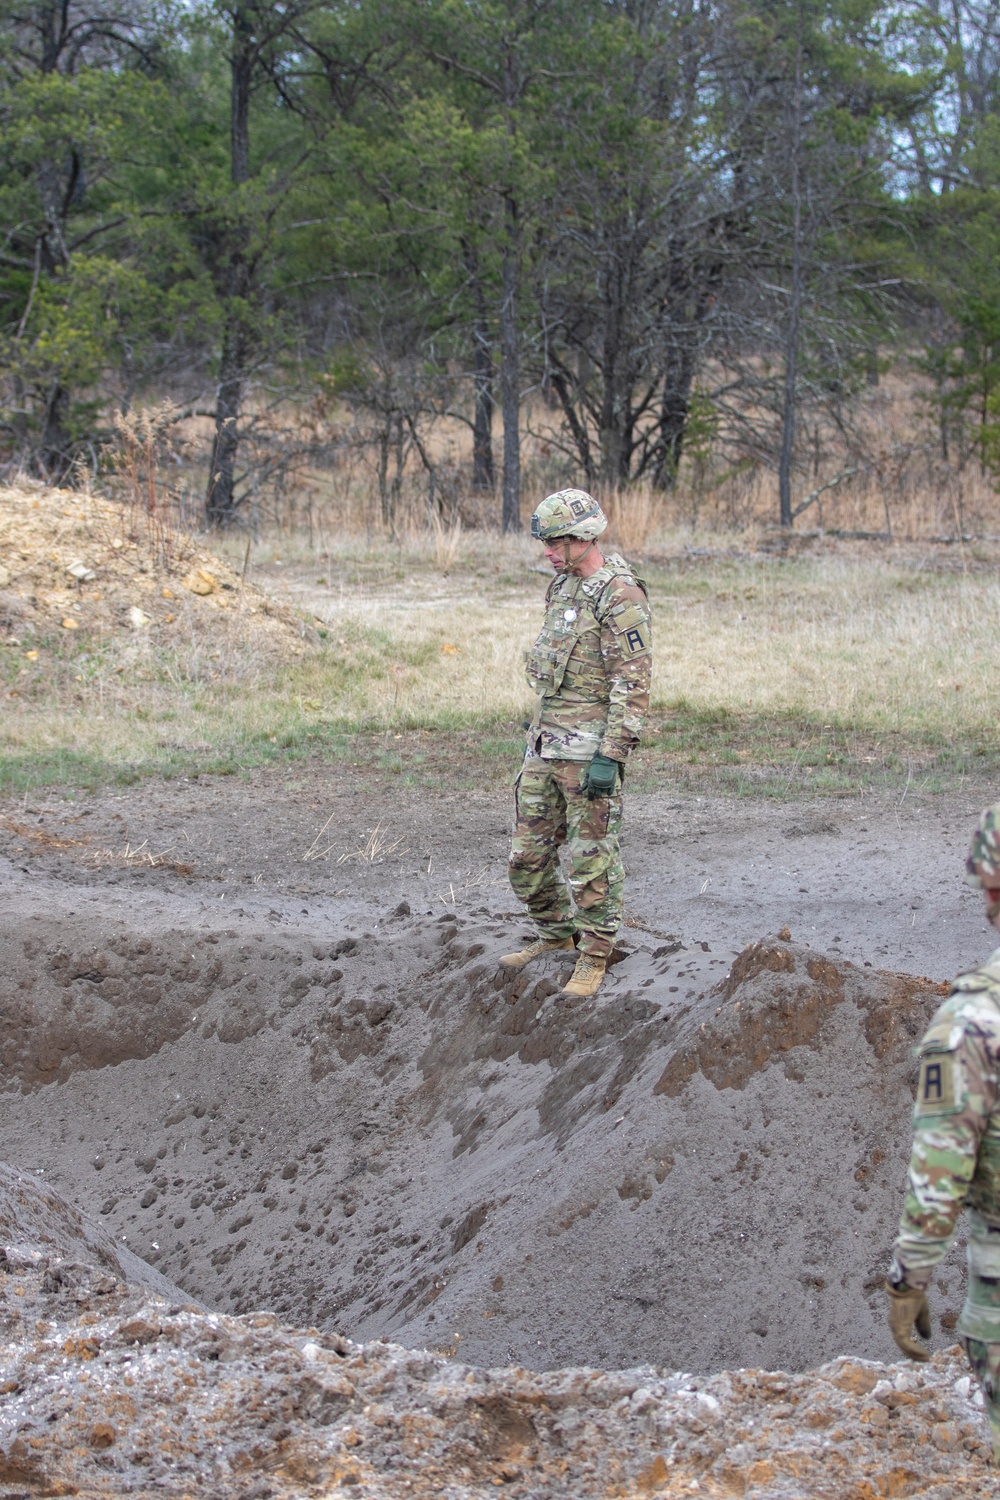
908, 1309
602, 774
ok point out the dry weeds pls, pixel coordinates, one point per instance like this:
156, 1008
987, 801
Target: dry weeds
874, 641
377, 844
868, 640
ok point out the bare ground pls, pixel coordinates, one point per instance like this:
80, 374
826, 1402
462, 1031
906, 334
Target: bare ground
114, 1387
300, 1083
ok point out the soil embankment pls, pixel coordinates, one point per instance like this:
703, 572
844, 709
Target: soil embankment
376, 1131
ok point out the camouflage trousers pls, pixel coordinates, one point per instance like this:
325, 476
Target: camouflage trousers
979, 1323
985, 1362
552, 810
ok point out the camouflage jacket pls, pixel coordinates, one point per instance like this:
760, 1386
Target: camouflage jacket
591, 665
955, 1161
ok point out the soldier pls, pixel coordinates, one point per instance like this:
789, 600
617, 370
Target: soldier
956, 1154
590, 668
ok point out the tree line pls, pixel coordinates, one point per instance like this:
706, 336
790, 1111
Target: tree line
653, 220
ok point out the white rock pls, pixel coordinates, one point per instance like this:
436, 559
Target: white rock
137, 617
311, 1351
962, 1387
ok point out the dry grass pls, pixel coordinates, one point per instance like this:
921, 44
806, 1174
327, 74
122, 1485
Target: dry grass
889, 477
873, 643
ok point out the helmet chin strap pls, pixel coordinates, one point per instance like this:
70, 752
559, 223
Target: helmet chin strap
568, 563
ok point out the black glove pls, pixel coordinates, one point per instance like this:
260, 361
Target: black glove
602, 777
908, 1309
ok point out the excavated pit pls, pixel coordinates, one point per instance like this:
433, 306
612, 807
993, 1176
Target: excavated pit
380, 1132
109, 1386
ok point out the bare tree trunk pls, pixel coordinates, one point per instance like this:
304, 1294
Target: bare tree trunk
614, 417
612, 398
483, 476
674, 409
56, 445
53, 457
795, 308
510, 377
577, 425
221, 501
384, 438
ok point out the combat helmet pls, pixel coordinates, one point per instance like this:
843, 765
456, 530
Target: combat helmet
982, 866
568, 513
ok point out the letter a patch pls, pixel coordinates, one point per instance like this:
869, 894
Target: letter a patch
936, 1084
635, 640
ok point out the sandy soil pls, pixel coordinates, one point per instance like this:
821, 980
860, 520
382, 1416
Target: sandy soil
301, 1083
82, 563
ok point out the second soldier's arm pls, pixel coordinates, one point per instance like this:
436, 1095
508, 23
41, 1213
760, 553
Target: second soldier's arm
626, 648
956, 1090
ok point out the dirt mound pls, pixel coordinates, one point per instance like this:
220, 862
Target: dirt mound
71, 561
107, 1389
377, 1130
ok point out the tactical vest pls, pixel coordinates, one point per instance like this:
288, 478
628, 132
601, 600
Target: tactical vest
575, 610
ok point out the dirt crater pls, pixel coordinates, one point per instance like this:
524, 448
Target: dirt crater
380, 1131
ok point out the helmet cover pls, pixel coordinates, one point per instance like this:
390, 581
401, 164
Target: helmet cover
568, 513
982, 867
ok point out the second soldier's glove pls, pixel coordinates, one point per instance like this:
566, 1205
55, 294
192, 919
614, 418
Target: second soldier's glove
602, 775
908, 1309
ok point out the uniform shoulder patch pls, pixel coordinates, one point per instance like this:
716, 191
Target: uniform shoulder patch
631, 614
936, 1085
939, 1078
635, 639
631, 627
944, 1032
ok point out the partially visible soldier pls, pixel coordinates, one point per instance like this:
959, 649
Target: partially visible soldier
956, 1154
590, 669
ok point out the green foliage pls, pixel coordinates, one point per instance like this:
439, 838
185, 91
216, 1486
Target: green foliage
633, 161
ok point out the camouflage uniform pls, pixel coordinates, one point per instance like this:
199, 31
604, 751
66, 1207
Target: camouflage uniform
590, 668
955, 1164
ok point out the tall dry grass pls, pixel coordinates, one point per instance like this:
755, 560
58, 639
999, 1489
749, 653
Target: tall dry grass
875, 644
863, 642
887, 476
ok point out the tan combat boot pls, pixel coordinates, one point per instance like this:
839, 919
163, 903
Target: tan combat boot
587, 976
535, 950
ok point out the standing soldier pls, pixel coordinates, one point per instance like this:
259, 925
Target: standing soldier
956, 1154
590, 668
